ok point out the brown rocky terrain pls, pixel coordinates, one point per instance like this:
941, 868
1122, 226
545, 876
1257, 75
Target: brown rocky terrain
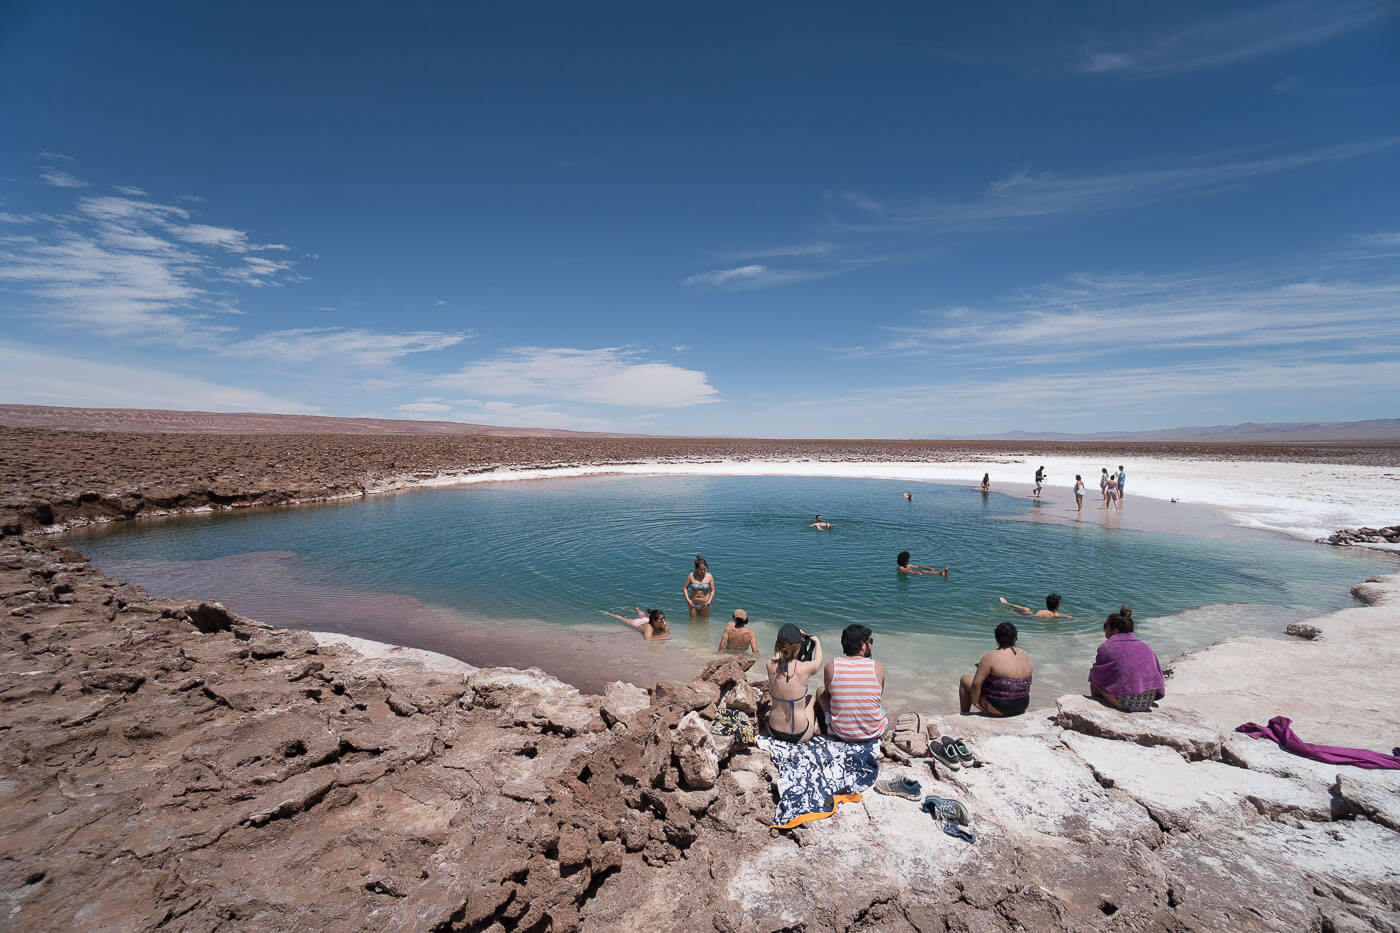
50, 477
167, 765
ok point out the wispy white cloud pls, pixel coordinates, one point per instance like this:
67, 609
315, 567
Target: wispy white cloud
753, 277
818, 248
55, 156
355, 346
516, 415
61, 179
131, 266
1025, 194
131, 191
32, 375
1263, 30
427, 406
606, 376
1095, 316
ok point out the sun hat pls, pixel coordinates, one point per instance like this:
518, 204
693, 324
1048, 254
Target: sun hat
740, 615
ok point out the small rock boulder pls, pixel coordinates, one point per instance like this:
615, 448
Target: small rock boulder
1303, 630
622, 701
695, 754
742, 698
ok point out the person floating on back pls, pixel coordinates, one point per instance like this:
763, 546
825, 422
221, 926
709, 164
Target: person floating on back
1126, 674
1001, 685
851, 697
738, 637
1051, 610
903, 566
820, 525
650, 622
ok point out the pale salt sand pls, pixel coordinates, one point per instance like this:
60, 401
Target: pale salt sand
396, 654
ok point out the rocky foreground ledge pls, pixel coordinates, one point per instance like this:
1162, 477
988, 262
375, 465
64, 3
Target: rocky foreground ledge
169, 765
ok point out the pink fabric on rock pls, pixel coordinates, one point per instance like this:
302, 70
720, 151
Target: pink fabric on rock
1280, 730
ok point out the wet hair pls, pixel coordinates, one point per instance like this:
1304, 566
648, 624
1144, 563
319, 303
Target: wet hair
700, 562
1077, 476
1121, 621
657, 619
853, 638
1006, 635
787, 653
903, 559
1052, 602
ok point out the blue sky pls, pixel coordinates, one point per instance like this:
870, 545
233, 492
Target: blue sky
757, 219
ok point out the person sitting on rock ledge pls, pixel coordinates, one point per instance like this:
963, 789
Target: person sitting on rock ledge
792, 719
1126, 674
1001, 685
851, 698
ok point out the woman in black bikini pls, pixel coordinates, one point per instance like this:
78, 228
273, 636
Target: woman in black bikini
1002, 684
790, 719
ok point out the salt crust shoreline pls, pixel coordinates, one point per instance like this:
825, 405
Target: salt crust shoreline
1178, 787
937, 471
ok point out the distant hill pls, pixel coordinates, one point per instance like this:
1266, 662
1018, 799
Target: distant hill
143, 420
1376, 429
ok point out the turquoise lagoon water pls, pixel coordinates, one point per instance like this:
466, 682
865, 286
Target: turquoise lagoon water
545, 557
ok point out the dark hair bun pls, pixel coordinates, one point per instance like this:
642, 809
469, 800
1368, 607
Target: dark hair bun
1126, 613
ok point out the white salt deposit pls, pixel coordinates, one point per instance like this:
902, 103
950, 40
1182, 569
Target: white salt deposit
1307, 500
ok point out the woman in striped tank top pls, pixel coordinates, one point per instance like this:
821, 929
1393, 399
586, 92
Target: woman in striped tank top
854, 685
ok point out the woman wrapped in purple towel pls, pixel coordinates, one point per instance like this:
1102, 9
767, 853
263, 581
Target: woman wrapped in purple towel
1126, 674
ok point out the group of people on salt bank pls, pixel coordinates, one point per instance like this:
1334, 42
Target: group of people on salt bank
849, 704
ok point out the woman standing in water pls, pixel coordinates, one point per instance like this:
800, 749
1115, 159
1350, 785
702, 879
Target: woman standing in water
651, 623
986, 483
1078, 493
699, 589
1110, 492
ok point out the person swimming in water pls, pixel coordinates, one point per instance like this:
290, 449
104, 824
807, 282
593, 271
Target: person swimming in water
1051, 610
820, 525
738, 637
902, 564
650, 622
699, 588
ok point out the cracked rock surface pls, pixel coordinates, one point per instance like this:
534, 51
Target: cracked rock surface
169, 765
